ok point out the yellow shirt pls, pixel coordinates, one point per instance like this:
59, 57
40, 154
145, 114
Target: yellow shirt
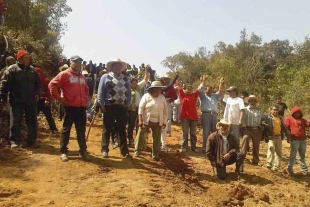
276, 125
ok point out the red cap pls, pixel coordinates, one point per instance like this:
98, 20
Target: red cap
20, 54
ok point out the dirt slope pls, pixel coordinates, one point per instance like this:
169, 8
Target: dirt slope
38, 178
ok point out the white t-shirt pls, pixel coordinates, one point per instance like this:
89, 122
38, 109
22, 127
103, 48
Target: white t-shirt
154, 111
225, 145
233, 109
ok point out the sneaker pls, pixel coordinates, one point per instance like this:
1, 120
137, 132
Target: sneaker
268, 167
183, 150
240, 179
105, 154
164, 148
14, 145
169, 134
127, 155
64, 157
194, 150
155, 158
84, 155
137, 154
305, 173
115, 145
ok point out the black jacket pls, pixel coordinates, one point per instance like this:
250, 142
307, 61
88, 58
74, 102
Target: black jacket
267, 123
22, 83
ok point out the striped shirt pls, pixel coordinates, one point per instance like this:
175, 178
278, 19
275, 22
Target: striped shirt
252, 117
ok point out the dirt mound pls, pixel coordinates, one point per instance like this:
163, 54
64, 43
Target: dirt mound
240, 192
5, 193
174, 162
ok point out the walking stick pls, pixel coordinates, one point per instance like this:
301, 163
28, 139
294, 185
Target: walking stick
94, 113
91, 123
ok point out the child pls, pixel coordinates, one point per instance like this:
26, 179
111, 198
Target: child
2, 10
297, 126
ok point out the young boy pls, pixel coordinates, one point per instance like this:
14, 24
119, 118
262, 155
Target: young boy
297, 126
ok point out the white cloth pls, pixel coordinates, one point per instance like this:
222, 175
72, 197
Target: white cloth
225, 145
233, 109
154, 111
145, 108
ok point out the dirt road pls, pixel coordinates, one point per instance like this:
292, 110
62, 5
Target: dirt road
38, 178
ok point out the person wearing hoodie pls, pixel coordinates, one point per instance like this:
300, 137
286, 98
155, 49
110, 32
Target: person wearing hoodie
23, 85
297, 126
44, 105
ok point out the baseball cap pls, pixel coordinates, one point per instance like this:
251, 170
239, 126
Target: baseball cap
75, 58
232, 88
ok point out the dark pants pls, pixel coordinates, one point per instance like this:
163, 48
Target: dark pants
237, 158
132, 117
31, 121
46, 110
255, 135
61, 111
190, 126
76, 115
114, 113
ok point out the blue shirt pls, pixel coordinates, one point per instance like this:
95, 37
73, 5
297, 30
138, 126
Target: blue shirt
114, 90
208, 103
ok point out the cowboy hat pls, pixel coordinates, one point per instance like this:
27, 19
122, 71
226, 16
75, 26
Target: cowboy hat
117, 60
156, 84
222, 122
251, 97
84, 72
101, 72
64, 67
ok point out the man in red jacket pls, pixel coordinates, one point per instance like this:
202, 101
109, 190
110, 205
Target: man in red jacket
43, 105
74, 92
297, 126
189, 117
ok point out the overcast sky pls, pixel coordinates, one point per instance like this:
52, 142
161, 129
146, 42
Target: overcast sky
147, 31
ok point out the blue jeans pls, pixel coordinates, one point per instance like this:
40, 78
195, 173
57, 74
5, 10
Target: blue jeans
190, 126
208, 122
300, 146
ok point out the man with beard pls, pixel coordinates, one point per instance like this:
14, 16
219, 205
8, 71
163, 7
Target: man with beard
222, 150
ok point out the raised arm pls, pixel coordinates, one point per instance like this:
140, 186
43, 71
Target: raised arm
172, 82
142, 83
221, 88
201, 86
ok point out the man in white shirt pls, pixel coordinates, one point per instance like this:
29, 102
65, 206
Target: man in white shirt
234, 110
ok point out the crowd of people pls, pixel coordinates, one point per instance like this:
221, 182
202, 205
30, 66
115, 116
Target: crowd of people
132, 100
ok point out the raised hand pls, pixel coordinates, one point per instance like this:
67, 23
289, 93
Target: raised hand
222, 80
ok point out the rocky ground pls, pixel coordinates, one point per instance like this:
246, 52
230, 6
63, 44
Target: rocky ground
37, 177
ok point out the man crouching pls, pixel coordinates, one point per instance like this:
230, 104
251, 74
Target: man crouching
222, 150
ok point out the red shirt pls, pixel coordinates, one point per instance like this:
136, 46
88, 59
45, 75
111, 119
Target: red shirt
188, 105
